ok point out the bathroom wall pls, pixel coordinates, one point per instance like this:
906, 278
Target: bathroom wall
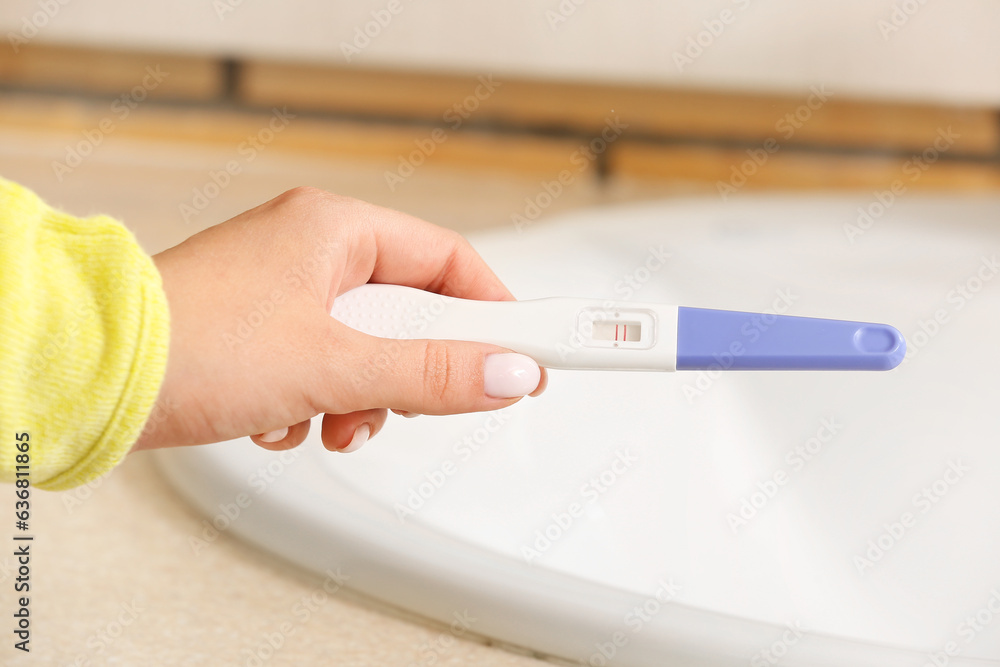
914, 50
662, 98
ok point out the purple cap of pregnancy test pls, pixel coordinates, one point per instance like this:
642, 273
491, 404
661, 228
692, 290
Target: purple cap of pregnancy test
733, 340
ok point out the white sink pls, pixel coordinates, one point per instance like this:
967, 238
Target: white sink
805, 518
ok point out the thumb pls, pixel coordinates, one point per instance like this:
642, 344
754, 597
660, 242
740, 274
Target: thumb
438, 377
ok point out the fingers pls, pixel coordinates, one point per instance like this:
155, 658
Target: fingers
403, 250
285, 438
431, 376
350, 377
347, 433
341, 433
543, 382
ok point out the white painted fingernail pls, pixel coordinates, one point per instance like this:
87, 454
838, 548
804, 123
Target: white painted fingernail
273, 436
360, 438
508, 375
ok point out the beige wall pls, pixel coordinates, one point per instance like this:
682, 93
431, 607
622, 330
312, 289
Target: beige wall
915, 50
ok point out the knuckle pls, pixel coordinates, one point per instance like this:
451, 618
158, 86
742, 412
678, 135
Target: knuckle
309, 196
302, 193
316, 212
439, 369
457, 243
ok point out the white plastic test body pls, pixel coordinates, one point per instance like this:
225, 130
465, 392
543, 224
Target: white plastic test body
590, 334
557, 332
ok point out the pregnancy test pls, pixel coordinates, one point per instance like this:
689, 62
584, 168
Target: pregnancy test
591, 334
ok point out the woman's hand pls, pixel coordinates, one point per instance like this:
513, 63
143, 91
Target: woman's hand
253, 348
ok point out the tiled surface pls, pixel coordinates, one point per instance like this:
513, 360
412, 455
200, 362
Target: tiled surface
821, 117
821, 139
406, 153
91, 70
756, 168
886, 49
145, 182
246, 131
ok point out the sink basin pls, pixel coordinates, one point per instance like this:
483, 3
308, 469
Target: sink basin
690, 518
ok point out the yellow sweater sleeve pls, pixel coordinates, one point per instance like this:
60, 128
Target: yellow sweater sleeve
84, 331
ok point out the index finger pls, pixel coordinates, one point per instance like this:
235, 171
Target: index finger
396, 248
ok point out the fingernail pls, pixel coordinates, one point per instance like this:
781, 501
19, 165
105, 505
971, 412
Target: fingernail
273, 436
508, 375
408, 414
360, 438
